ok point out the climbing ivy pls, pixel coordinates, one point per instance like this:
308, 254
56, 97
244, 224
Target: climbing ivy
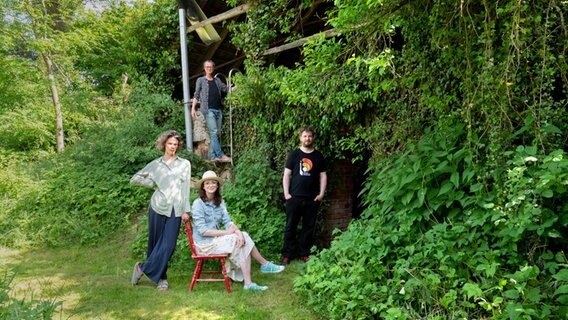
462, 106
264, 22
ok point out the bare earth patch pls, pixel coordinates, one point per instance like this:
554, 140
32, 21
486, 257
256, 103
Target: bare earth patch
8, 255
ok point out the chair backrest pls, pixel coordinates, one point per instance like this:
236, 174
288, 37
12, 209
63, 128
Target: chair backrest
189, 232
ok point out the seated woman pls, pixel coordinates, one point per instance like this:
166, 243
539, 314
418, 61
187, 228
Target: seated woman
209, 212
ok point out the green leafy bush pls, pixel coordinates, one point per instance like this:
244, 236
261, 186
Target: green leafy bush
253, 201
84, 195
435, 241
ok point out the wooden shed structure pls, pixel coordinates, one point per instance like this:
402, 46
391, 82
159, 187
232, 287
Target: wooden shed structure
211, 40
206, 15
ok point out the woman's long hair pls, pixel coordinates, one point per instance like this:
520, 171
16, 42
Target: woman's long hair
217, 198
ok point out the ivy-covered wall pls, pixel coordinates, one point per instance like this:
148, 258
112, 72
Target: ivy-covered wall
461, 109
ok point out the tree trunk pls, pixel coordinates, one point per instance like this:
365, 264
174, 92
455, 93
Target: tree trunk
56, 103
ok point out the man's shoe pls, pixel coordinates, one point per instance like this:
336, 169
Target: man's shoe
270, 267
305, 258
285, 261
254, 287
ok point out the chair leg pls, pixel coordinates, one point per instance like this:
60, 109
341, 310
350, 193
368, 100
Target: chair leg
196, 274
224, 271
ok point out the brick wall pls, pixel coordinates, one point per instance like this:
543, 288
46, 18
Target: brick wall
339, 200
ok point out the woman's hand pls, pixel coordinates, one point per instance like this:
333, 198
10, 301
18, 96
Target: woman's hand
240, 239
185, 217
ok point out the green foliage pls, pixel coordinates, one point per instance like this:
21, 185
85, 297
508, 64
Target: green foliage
105, 62
26, 129
92, 54
436, 242
273, 103
253, 201
532, 209
83, 195
25, 123
450, 215
32, 31
20, 83
134, 40
23, 309
264, 22
152, 41
461, 104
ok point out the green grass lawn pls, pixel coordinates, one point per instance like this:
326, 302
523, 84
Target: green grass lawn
94, 283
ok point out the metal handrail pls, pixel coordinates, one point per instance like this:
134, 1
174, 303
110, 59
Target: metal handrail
230, 85
221, 74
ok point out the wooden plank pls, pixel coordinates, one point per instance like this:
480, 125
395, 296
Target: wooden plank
210, 52
221, 17
299, 42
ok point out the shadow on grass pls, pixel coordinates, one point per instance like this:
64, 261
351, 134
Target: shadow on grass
94, 283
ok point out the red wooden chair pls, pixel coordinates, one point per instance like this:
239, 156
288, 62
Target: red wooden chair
200, 259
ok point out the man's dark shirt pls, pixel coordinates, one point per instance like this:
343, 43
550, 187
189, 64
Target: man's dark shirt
214, 95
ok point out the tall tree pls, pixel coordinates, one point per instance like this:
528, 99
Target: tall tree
46, 21
38, 31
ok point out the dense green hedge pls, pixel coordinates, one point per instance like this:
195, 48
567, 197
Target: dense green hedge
463, 108
438, 242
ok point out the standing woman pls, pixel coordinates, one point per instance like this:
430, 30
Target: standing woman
209, 213
170, 176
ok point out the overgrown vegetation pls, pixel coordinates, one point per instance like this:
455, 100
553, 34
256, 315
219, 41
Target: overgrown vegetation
254, 203
435, 242
461, 105
82, 196
113, 113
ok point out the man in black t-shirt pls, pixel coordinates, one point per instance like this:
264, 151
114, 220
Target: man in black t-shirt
304, 182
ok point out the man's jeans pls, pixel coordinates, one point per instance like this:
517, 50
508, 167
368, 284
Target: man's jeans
214, 119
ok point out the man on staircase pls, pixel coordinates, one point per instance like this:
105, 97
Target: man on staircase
209, 92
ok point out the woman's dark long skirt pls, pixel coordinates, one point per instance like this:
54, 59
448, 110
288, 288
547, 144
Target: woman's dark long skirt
162, 237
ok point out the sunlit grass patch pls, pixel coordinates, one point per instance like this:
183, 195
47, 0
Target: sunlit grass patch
94, 283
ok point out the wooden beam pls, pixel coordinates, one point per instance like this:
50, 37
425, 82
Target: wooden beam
211, 51
236, 11
300, 42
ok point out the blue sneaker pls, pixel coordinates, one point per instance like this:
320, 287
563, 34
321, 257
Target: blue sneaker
253, 287
270, 267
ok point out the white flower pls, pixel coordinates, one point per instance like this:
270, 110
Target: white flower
533, 159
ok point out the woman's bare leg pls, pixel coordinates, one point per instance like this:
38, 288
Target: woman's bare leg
245, 268
257, 256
